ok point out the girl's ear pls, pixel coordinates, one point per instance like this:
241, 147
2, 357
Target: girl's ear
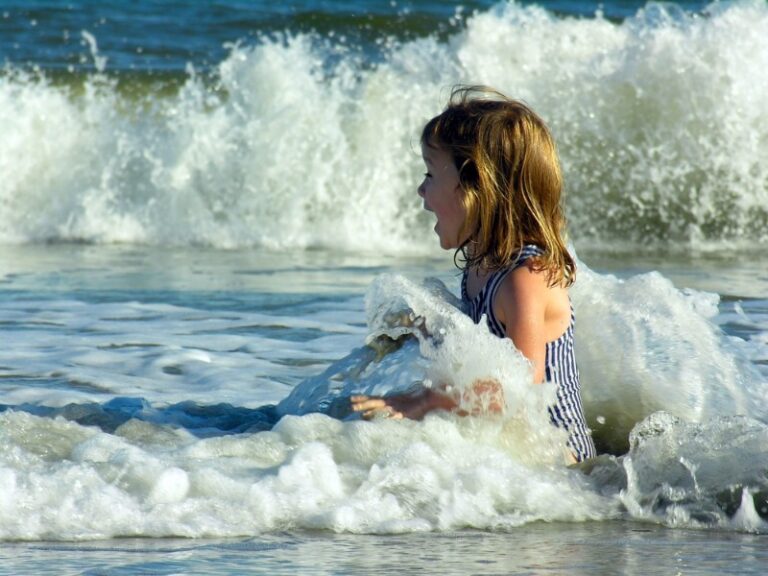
468, 175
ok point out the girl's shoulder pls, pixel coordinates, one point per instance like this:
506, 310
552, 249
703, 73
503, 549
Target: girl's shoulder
526, 285
524, 280
479, 283
525, 258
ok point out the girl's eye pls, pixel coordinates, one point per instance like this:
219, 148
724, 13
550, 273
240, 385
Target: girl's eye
427, 175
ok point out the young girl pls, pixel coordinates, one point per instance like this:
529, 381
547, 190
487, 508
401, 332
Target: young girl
493, 182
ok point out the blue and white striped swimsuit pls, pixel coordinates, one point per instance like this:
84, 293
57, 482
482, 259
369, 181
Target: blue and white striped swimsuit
560, 361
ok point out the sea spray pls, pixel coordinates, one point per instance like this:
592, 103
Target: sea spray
644, 345
311, 472
420, 338
298, 143
689, 474
181, 466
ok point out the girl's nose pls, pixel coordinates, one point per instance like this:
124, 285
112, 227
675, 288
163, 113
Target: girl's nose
420, 190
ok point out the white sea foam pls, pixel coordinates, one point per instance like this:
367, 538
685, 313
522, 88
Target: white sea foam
707, 474
133, 468
660, 122
308, 472
643, 346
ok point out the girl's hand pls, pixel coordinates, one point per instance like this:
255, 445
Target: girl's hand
485, 397
413, 405
375, 407
407, 319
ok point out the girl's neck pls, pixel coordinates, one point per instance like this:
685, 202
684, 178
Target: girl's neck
482, 269
479, 271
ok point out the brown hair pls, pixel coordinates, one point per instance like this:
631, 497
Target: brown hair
510, 177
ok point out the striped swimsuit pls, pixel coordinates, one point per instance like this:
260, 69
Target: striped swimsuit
560, 362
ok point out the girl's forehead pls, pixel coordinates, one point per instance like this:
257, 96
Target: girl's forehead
432, 153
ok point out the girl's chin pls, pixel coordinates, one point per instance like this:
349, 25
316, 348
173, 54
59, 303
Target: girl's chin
445, 244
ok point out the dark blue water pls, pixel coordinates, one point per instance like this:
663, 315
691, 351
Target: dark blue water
166, 36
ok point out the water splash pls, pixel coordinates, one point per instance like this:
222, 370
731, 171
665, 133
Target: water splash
300, 142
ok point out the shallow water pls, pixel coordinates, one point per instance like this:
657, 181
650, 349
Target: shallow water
266, 322
579, 549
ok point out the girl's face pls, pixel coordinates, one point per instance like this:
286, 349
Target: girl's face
442, 195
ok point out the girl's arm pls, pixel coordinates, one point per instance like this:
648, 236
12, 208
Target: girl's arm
521, 306
485, 396
413, 405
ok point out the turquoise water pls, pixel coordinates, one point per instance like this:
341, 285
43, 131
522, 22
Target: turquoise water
205, 208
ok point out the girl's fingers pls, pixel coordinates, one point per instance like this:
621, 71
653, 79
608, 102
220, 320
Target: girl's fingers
364, 403
374, 408
383, 413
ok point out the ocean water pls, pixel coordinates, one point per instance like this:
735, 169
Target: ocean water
208, 219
